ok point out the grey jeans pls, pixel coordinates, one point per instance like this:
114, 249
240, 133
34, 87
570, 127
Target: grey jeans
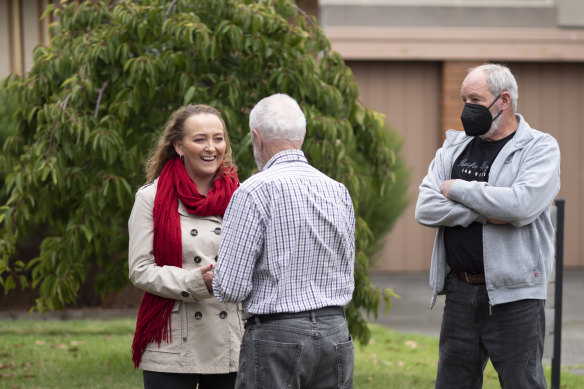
511, 335
316, 352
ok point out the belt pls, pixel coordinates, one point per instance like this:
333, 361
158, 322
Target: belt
326, 311
471, 278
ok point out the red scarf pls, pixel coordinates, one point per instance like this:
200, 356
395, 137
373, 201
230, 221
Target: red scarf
153, 324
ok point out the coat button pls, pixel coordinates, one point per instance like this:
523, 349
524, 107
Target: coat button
184, 293
194, 232
217, 231
198, 315
197, 259
216, 257
223, 315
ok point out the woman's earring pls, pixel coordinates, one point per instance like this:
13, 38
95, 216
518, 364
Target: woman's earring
182, 158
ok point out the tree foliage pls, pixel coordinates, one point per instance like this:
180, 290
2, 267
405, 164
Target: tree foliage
7, 108
97, 98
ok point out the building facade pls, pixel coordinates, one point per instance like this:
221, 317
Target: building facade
409, 58
21, 30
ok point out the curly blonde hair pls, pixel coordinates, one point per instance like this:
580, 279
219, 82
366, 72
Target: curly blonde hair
174, 132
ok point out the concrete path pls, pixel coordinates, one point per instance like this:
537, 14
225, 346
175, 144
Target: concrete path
410, 313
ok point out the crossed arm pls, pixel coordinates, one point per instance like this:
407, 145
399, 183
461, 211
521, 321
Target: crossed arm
445, 191
446, 202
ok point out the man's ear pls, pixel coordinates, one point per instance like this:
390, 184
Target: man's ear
256, 138
506, 99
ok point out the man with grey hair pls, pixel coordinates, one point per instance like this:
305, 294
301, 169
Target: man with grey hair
287, 252
488, 192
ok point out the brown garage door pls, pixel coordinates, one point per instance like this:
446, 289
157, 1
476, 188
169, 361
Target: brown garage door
409, 94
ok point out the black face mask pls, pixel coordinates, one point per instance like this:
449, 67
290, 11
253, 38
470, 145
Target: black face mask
477, 119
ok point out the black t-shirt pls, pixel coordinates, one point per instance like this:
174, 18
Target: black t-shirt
464, 245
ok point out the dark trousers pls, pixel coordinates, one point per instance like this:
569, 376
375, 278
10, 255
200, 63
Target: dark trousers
159, 380
296, 353
511, 335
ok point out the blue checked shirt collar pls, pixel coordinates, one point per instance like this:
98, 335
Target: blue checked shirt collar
290, 155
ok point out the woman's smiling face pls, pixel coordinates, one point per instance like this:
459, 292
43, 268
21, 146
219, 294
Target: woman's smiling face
203, 146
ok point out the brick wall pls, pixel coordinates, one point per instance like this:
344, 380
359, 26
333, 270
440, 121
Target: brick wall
453, 73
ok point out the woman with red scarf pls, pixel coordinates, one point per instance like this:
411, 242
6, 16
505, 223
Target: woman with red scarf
184, 336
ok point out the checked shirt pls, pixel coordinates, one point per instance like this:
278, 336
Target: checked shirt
287, 241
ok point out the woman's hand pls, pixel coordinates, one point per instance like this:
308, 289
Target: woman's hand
207, 272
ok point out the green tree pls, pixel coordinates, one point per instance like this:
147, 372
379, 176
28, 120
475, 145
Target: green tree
97, 98
7, 108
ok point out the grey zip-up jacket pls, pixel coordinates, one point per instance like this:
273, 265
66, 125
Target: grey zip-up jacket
523, 182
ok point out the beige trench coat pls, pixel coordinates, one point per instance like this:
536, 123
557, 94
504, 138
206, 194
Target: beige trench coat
206, 334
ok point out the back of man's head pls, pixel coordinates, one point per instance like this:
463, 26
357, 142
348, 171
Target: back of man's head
278, 117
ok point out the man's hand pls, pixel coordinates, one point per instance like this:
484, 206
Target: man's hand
445, 188
207, 272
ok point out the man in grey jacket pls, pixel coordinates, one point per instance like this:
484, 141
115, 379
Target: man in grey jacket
488, 192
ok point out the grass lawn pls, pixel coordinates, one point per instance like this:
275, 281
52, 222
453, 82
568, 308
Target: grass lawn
395, 360
67, 354
96, 354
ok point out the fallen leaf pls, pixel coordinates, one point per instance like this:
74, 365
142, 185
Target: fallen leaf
6, 365
369, 379
411, 343
39, 342
61, 346
76, 343
401, 363
25, 365
371, 341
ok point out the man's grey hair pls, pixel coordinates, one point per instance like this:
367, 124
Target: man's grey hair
278, 117
500, 79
